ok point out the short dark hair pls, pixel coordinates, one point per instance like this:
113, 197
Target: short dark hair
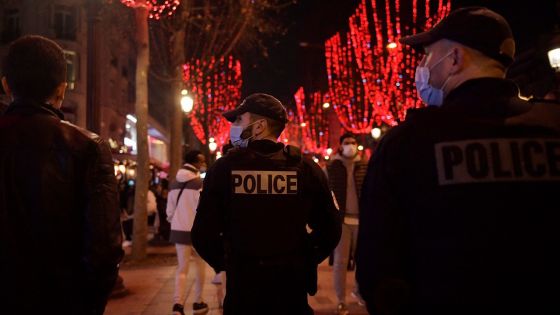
192, 156
347, 135
34, 67
275, 126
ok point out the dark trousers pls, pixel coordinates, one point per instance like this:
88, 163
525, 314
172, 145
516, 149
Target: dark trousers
266, 289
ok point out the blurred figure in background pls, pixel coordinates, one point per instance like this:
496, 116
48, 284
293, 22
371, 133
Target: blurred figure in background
346, 171
181, 209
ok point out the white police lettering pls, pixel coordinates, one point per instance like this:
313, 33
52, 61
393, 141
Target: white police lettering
264, 182
498, 160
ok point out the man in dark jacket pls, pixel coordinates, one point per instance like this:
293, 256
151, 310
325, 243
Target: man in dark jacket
460, 210
255, 206
346, 173
60, 235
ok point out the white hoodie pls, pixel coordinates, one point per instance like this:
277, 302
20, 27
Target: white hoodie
181, 214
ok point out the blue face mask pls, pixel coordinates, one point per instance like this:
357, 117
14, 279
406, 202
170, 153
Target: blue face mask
430, 95
236, 135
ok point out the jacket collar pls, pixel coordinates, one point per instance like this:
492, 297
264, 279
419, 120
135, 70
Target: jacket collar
26, 106
266, 146
489, 97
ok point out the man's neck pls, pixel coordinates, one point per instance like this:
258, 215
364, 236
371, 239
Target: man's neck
475, 73
271, 138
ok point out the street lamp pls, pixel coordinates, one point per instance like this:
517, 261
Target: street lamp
212, 145
554, 59
376, 133
392, 45
186, 101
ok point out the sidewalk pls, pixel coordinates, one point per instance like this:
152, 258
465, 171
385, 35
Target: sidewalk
150, 288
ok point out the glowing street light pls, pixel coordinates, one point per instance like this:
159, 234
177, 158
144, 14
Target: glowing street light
186, 101
392, 45
376, 133
212, 146
554, 59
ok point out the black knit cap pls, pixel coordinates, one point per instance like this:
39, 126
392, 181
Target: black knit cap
476, 27
260, 104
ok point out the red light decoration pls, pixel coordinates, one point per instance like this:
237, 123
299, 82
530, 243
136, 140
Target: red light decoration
158, 8
346, 92
372, 82
215, 87
292, 131
313, 121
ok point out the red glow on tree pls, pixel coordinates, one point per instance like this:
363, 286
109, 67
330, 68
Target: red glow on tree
292, 131
372, 82
215, 87
158, 8
313, 121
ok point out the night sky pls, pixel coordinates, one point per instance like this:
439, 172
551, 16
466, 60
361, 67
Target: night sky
312, 21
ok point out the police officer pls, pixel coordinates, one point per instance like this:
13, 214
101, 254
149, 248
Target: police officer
460, 212
266, 215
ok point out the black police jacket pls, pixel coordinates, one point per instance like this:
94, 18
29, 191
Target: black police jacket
459, 210
60, 234
255, 204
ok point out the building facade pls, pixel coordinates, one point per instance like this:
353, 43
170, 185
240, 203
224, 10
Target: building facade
66, 22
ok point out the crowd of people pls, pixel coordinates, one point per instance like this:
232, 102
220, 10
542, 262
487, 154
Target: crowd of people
455, 213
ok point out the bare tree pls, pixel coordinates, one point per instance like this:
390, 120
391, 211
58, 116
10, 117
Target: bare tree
206, 30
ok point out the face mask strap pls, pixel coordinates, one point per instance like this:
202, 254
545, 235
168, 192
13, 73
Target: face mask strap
440, 60
254, 122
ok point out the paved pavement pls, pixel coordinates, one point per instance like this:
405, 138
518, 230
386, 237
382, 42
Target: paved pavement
150, 288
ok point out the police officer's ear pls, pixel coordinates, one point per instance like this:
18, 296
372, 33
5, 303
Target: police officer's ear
260, 126
457, 56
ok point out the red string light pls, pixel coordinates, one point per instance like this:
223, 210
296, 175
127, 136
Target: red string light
372, 83
215, 87
292, 131
313, 121
158, 8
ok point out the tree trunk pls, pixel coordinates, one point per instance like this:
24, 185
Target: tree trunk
140, 230
176, 145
